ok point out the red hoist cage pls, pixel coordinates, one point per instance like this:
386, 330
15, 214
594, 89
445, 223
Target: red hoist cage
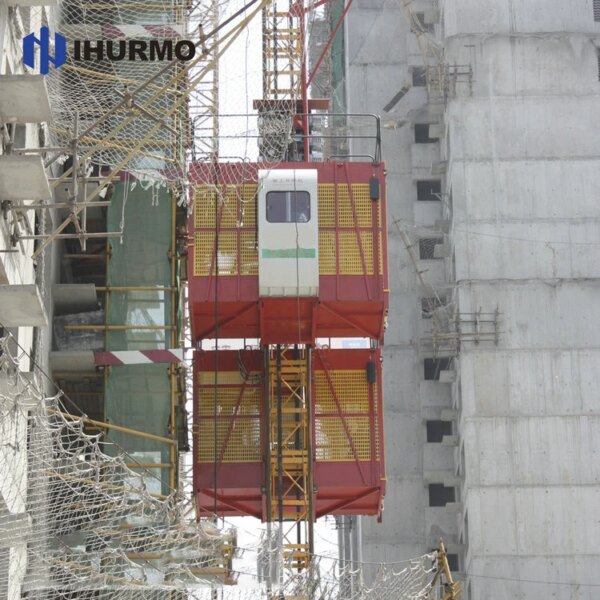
291, 254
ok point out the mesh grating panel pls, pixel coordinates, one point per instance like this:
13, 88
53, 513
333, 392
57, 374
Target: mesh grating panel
352, 392
248, 253
230, 207
224, 378
203, 252
248, 205
237, 230
332, 442
204, 206
362, 206
350, 256
326, 252
237, 206
351, 389
240, 427
326, 205
227, 400
350, 259
243, 444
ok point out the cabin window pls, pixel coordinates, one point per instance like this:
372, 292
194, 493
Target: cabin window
288, 207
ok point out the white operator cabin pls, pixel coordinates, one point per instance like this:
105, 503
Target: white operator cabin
288, 233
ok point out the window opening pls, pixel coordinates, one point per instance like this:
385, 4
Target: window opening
422, 134
440, 495
433, 366
427, 247
420, 19
453, 562
288, 207
419, 76
436, 430
429, 190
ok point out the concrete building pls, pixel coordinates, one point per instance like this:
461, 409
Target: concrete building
24, 108
491, 416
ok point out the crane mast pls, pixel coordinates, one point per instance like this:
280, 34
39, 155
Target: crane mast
289, 250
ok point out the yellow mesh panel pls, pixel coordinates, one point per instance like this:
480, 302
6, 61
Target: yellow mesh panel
332, 440
229, 211
238, 222
203, 251
362, 206
351, 389
350, 257
227, 400
243, 445
326, 252
223, 378
244, 442
326, 204
249, 204
248, 253
228, 253
204, 206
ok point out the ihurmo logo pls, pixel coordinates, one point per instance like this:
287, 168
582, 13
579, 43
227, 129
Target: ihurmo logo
101, 50
60, 50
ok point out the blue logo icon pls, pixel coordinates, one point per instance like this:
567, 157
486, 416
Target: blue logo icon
60, 50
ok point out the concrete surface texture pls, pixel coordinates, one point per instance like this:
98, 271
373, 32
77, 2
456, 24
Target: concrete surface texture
520, 162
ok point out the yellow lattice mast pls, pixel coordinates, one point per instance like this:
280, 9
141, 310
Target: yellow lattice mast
290, 454
282, 51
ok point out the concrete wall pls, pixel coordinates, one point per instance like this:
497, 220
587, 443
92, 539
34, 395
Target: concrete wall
16, 267
381, 52
520, 186
524, 174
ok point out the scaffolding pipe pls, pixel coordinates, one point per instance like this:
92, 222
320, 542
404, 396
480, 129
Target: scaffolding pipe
104, 425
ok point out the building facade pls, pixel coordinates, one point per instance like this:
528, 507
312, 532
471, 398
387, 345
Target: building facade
490, 113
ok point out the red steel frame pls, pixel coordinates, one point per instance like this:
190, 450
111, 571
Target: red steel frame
353, 487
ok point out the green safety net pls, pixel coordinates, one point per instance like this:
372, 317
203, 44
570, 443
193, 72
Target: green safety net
139, 396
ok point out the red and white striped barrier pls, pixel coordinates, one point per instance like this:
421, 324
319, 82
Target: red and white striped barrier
138, 357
